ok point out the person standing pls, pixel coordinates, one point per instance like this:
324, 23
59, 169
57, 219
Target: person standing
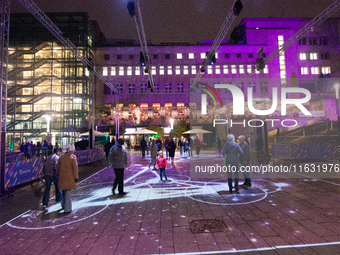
153, 153
50, 175
143, 145
162, 164
231, 153
172, 149
180, 145
118, 159
219, 146
159, 145
107, 148
244, 160
186, 148
67, 169
166, 146
197, 145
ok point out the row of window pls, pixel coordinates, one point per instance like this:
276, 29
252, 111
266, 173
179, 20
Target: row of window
315, 70
162, 70
170, 88
314, 56
313, 41
155, 106
182, 56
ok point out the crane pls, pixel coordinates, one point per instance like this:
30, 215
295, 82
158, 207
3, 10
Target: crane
261, 63
134, 11
233, 13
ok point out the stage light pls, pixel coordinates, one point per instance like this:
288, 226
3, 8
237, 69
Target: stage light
237, 8
131, 8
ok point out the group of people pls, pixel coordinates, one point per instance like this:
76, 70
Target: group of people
236, 154
62, 170
32, 150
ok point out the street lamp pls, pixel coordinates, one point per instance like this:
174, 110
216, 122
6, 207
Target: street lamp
48, 118
172, 123
336, 86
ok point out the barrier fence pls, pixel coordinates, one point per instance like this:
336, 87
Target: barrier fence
19, 172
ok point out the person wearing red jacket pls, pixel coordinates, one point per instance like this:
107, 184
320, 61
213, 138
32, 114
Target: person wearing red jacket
162, 164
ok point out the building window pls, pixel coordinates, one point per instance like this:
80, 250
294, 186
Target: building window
161, 70
302, 41
264, 86
282, 61
191, 55
143, 88
144, 107
121, 70
313, 56
225, 69
178, 70
120, 88
250, 55
167, 87
169, 70
137, 70
119, 56
167, 56
185, 70
131, 88
326, 69
241, 69
202, 55
179, 56
106, 57
239, 55
304, 70
129, 70
156, 106
113, 71
227, 55
104, 71
323, 41
156, 88
209, 69
312, 41
233, 69
248, 68
303, 56
130, 56
217, 70
324, 55
315, 70
155, 56
252, 84
265, 69
193, 69
180, 87
153, 70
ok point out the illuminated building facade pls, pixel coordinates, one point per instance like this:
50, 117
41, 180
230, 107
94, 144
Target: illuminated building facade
174, 65
46, 80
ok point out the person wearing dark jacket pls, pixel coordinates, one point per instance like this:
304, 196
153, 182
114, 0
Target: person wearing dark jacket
118, 159
143, 146
107, 148
172, 149
50, 175
231, 152
244, 160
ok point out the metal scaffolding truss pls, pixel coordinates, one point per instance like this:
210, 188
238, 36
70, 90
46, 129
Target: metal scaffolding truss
325, 14
141, 34
221, 34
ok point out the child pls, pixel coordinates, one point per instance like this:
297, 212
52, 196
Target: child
162, 164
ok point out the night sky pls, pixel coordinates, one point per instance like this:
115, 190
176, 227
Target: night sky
177, 20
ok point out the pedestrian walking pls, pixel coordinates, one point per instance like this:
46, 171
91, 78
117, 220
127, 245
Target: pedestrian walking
162, 164
51, 176
231, 153
197, 145
118, 159
180, 145
67, 168
166, 146
107, 148
153, 153
143, 146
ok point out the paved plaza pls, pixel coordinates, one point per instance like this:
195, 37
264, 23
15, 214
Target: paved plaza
274, 216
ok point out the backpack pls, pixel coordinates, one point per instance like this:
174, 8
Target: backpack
49, 166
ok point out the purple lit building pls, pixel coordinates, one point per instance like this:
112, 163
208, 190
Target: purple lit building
174, 65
